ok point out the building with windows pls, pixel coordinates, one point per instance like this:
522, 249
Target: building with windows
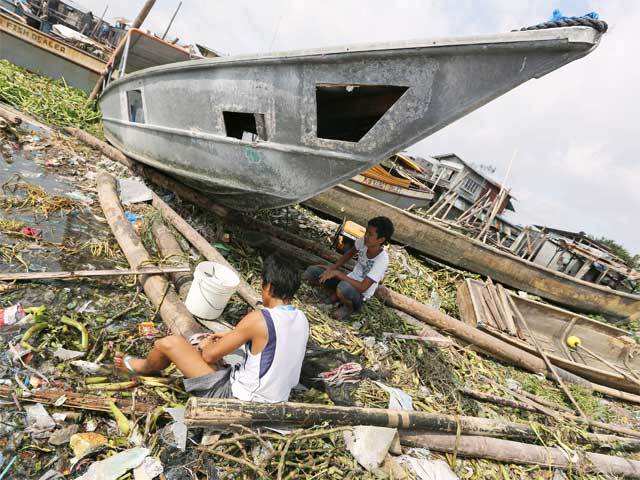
577, 255
450, 173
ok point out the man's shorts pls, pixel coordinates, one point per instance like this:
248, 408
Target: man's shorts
348, 291
212, 385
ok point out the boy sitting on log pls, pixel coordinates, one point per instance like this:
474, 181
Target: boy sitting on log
354, 289
275, 340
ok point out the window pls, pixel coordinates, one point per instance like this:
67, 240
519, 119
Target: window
245, 126
470, 185
135, 106
348, 112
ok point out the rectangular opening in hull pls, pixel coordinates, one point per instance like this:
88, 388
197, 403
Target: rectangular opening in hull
245, 126
135, 106
348, 112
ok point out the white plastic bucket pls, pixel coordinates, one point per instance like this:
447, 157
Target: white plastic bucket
213, 284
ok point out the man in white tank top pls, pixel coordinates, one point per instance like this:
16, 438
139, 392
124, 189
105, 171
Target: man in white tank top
274, 338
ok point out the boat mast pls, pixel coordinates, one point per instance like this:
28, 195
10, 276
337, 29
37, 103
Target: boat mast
171, 21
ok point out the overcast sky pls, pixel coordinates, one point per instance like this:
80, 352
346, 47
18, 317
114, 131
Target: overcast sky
576, 130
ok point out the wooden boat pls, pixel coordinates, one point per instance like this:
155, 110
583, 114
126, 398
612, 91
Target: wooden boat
552, 327
393, 182
42, 53
270, 130
438, 241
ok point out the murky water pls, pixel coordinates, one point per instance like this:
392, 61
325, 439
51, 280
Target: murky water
28, 164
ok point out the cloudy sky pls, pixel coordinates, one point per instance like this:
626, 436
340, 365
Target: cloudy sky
576, 130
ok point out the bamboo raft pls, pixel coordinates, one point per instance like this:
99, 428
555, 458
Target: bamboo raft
603, 353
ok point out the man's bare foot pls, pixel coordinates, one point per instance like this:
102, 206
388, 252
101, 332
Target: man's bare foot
132, 364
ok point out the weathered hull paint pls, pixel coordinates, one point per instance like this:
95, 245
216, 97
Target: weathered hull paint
38, 52
184, 131
551, 326
457, 249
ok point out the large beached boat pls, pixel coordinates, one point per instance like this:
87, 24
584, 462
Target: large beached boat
275, 129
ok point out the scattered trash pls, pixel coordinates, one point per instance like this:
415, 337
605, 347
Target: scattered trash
133, 191
425, 469
149, 469
86, 442
31, 232
87, 367
39, 422
64, 354
147, 329
177, 429
11, 315
369, 445
79, 197
63, 435
51, 475
115, 466
345, 373
398, 399
132, 217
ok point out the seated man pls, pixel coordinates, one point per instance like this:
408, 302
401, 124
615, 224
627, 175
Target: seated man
275, 340
371, 264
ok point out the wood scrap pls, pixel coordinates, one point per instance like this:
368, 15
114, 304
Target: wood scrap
515, 452
81, 401
173, 312
9, 277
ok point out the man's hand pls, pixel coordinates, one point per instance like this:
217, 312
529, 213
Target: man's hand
328, 274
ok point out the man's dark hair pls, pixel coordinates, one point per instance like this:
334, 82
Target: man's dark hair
283, 277
384, 227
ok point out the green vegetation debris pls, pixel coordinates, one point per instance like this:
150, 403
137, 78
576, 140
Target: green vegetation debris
51, 101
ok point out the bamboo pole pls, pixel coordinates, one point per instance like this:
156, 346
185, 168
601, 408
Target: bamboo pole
203, 246
173, 312
547, 362
612, 366
515, 452
9, 277
219, 412
206, 412
552, 410
170, 249
142, 15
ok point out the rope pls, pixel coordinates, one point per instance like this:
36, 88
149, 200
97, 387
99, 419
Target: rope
599, 25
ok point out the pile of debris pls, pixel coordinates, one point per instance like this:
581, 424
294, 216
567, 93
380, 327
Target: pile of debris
67, 413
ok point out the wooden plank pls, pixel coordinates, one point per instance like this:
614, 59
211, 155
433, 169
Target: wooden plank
9, 277
80, 401
510, 322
